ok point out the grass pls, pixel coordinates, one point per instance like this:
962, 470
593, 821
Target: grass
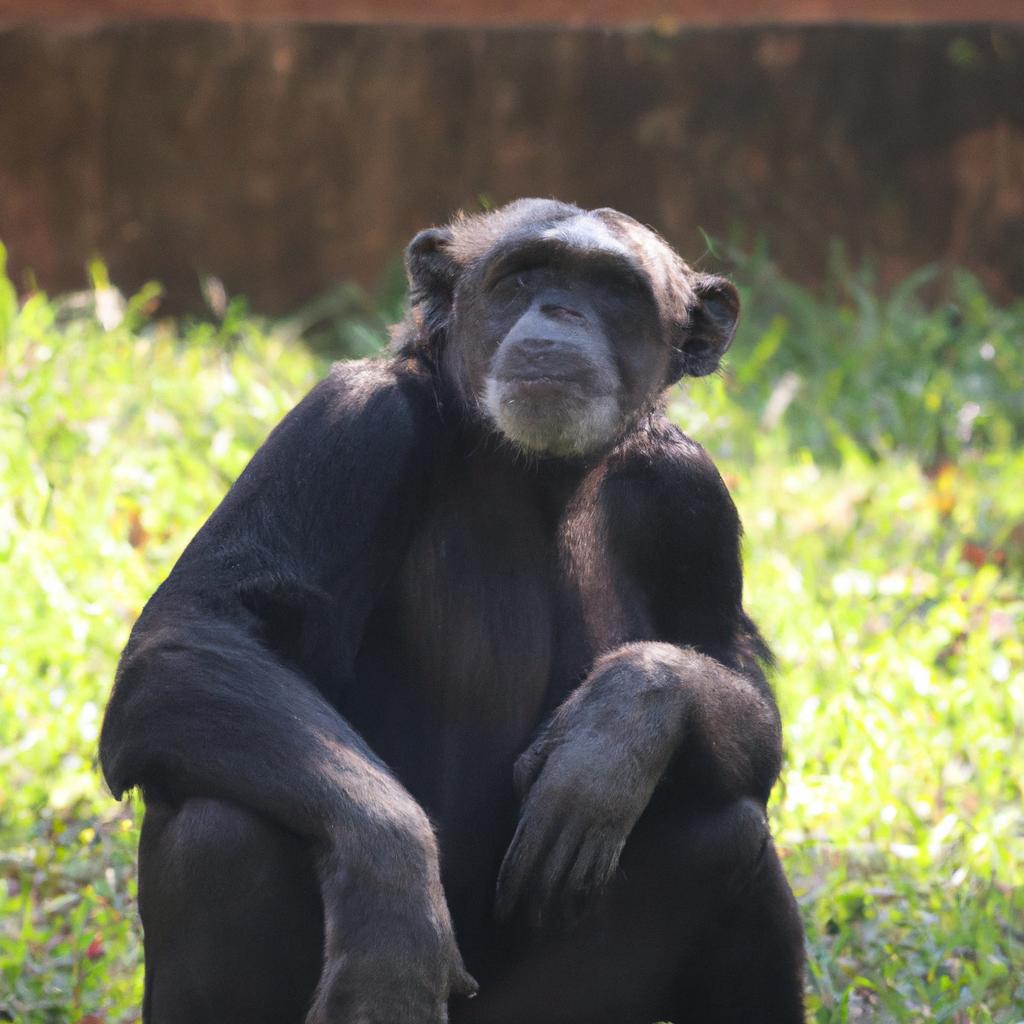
873, 446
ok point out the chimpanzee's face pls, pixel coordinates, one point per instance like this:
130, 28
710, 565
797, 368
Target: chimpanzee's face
566, 345
563, 325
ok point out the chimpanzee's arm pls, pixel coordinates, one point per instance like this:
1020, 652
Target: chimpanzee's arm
689, 702
221, 689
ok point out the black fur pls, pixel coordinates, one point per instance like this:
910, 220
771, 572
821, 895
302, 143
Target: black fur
465, 643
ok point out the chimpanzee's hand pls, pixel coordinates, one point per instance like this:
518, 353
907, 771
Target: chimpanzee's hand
391, 955
588, 777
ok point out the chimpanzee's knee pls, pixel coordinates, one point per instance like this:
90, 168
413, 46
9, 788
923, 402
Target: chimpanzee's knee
748, 965
711, 854
232, 916
695, 883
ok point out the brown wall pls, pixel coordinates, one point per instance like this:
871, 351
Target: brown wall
519, 13
287, 157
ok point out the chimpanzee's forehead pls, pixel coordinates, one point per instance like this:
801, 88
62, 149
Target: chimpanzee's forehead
587, 233
478, 241
584, 232
603, 231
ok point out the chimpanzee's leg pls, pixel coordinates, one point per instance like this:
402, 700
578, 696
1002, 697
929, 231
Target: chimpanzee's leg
752, 966
232, 917
698, 925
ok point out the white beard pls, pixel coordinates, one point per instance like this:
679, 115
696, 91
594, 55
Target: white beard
552, 426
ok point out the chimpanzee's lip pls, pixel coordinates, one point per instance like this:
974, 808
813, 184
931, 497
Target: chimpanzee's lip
541, 384
561, 391
539, 379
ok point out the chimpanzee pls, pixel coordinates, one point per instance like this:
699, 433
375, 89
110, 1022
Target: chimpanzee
458, 678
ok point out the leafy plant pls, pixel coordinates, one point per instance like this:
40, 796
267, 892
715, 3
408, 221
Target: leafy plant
885, 553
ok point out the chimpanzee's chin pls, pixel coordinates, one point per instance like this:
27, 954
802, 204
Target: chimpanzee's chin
550, 417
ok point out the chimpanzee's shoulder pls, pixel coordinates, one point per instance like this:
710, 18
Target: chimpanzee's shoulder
397, 386
378, 407
670, 465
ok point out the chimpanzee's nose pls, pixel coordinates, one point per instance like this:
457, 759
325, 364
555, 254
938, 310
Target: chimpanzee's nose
559, 312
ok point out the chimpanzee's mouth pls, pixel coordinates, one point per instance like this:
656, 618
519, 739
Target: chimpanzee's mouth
585, 381
536, 387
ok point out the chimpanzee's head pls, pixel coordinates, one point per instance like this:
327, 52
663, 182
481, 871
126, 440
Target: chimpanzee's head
560, 326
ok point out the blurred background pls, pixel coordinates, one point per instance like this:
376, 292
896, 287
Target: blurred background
284, 154
202, 203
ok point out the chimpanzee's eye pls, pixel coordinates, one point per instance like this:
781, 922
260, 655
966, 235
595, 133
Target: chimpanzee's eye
520, 279
516, 280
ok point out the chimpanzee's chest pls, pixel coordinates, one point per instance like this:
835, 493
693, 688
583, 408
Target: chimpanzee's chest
504, 597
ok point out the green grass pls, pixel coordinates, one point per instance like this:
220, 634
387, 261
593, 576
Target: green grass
873, 448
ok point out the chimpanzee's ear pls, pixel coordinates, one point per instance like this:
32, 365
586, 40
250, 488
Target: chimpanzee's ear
430, 268
712, 324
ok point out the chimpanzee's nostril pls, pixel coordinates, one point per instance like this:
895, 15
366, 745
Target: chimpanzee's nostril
558, 312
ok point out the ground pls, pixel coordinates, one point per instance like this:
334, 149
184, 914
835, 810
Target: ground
873, 447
